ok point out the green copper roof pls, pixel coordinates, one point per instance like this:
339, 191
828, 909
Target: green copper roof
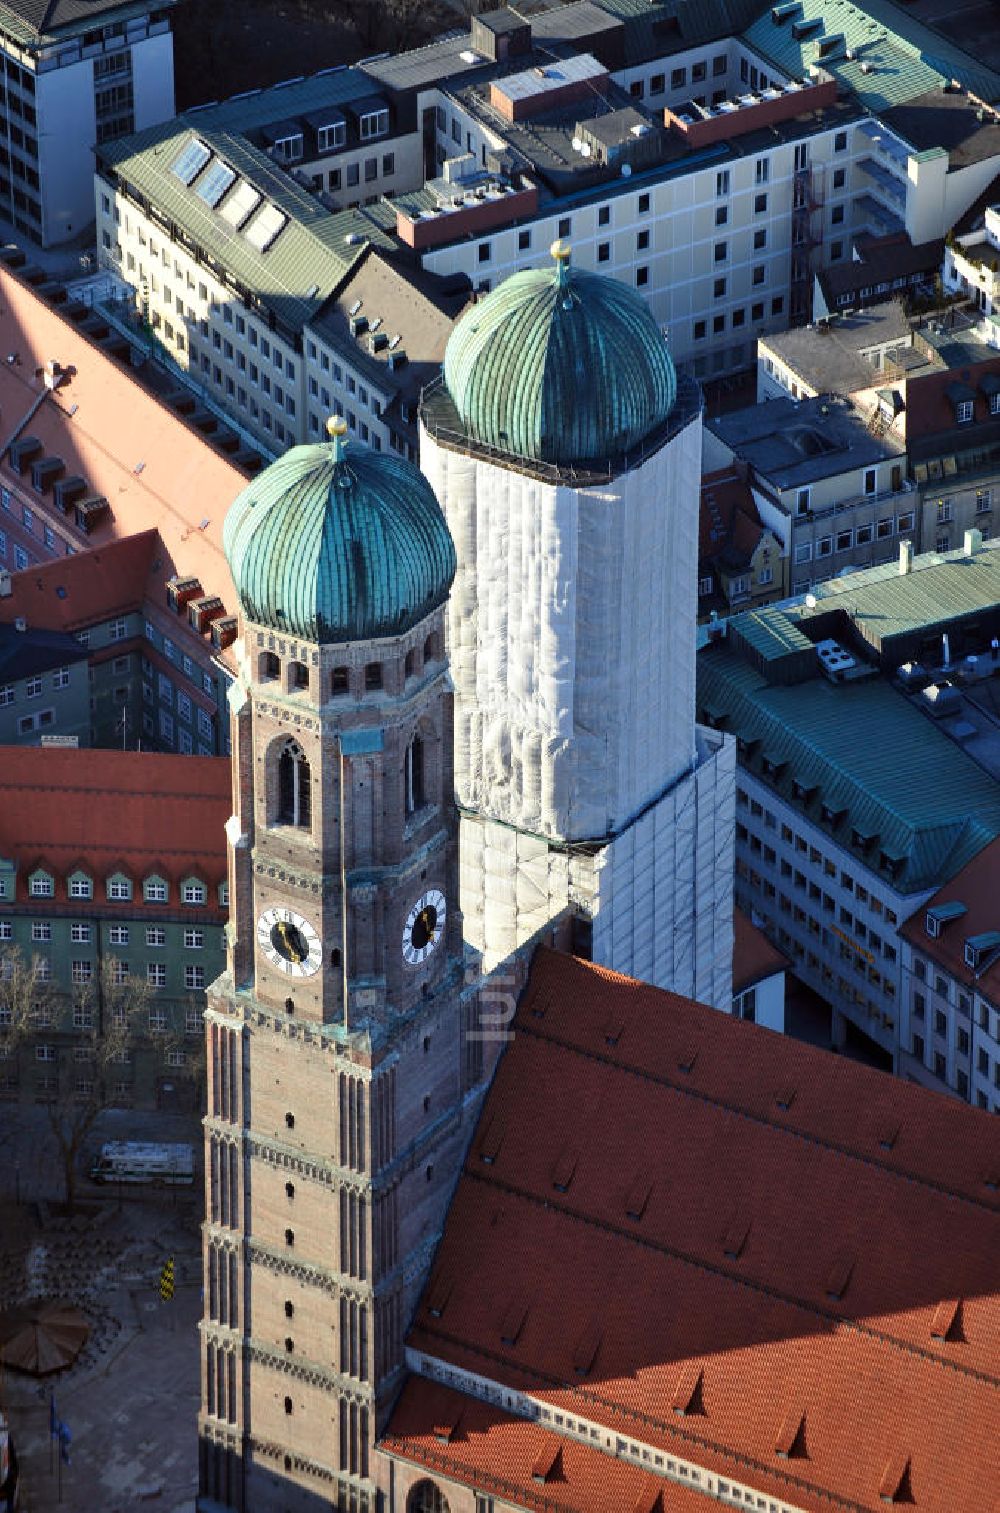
334, 548
865, 753
560, 366
893, 56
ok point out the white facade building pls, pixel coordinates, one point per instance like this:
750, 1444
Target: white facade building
72, 82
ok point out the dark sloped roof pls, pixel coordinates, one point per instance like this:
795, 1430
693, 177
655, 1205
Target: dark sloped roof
24, 653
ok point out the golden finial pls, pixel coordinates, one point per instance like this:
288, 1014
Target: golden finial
560, 251
336, 428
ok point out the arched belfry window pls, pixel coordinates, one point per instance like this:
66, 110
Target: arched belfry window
414, 776
293, 787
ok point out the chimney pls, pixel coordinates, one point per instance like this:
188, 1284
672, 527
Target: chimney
905, 558
973, 543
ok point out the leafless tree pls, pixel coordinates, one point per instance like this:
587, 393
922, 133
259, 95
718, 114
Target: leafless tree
107, 1014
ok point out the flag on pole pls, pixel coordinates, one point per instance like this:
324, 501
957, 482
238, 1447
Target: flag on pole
167, 1280
65, 1440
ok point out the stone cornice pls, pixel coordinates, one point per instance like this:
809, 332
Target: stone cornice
310, 1273
310, 1372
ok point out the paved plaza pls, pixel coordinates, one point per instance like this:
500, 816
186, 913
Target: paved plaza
131, 1399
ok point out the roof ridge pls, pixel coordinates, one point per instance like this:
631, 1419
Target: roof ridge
734, 1108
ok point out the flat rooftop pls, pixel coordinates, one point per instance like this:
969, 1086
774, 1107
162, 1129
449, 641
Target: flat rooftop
837, 360
796, 442
952, 121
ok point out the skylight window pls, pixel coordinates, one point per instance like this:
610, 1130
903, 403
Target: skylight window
214, 182
240, 205
191, 160
265, 226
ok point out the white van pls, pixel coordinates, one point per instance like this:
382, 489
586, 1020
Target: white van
133, 1161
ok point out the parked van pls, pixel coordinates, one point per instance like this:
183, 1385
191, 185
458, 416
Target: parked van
133, 1161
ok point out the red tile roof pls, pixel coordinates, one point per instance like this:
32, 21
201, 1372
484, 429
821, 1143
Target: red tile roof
501, 1454
91, 586
104, 811
154, 470
729, 525
977, 886
801, 1221
754, 956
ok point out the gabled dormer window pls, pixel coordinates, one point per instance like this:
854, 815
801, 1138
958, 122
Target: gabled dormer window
193, 892
41, 884
938, 915
119, 887
80, 885
154, 890
980, 949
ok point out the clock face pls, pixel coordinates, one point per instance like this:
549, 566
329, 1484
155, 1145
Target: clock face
289, 942
424, 927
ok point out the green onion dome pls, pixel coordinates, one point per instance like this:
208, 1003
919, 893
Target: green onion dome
334, 548
561, 366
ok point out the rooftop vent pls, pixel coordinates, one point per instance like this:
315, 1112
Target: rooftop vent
547, 1461
895, 1483
359, 325
946, 1323
688, 1393
489, 1145
563, 1169
438, 1293
587, 1346
637, 1197
686, 1058
791, 1439
839, 1275
513, 1320
735, 1237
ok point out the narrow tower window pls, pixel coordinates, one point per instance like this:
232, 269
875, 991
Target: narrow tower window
270, 667
415, 776
293, 787
340, 680
298, 676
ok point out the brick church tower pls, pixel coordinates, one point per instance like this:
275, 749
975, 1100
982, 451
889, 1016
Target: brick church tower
343, 1084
